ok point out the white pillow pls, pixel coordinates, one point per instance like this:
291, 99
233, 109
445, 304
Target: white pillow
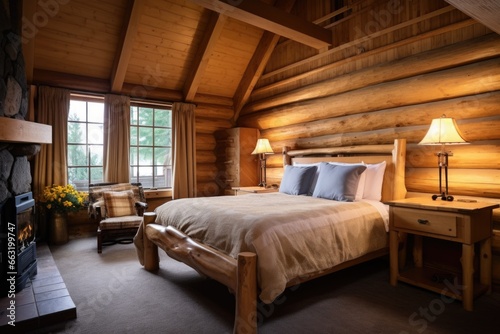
373, 181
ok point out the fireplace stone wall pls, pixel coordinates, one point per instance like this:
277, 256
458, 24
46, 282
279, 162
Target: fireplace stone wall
15, 166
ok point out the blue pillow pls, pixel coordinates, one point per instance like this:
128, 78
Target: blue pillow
338, 182
297, 180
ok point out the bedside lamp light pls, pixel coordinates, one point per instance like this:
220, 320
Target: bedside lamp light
443, 131
262, 148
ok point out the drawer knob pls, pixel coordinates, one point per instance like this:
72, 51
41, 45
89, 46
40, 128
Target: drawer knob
423, 221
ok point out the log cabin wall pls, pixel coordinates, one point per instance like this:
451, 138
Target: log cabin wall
394, 66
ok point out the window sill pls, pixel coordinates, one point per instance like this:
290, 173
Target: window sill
158, 193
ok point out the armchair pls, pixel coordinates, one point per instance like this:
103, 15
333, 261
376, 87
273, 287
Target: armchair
118, 208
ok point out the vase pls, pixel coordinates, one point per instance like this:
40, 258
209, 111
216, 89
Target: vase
58, 228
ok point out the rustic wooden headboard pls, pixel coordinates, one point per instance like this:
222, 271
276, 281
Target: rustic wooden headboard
394, 155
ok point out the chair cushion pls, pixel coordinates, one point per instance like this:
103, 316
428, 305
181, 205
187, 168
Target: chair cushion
118, 223
119, 203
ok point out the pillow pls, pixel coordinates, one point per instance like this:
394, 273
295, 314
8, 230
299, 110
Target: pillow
338, 182
374, 180
361, 184
119, 203
315, 178
297, 180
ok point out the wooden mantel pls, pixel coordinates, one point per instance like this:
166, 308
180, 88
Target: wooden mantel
20, 131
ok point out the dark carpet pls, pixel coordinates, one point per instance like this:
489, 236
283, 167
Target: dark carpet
113, 293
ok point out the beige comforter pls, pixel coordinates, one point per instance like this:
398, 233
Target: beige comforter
291, 235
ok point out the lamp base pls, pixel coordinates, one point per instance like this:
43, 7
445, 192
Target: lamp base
444, 197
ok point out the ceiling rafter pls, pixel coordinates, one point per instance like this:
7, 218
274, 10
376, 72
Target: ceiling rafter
129, 33
272, 19
214, 30
258, 63
484, 11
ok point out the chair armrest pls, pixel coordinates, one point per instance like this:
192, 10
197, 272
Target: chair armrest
141, 207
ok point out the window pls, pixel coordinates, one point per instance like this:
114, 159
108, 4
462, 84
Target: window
151, 145
85, 141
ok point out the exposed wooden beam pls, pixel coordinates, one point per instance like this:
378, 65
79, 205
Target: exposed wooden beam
129, 33
29, 9
212, 34
258, 63
486, 12
273, 20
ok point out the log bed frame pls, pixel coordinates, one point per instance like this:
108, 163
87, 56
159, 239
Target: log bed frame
240, 275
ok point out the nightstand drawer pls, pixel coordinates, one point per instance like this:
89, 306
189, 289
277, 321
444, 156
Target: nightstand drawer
440, 223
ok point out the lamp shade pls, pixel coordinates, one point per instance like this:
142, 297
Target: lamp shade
442, 131
263, 147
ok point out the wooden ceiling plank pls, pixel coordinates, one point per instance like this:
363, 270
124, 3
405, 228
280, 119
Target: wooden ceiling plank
214, 30
274, 20
129, 33
258, 63
29, 9
486, 12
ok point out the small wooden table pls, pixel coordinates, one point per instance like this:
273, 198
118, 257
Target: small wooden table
253, 190
467, 223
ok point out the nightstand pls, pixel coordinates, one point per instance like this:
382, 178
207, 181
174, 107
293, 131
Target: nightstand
467, 223
253, 190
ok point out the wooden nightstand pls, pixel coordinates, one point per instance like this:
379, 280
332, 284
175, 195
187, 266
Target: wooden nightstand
462, 222
253, 190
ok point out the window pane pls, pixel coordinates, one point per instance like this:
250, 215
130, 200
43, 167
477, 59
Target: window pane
96, 175
77, 133
133, 115
96, 112
146, 136
96, 154
161, 156
78, 176
77, 111
133, 156
146, 156
77, 155
95, 133
162, 117
145, 116
162, 137
133, 135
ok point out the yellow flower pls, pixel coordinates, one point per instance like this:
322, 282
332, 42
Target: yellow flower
63, 198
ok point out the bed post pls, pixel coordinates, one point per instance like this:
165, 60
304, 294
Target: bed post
286, 157
398, 159
151, 259
245, 320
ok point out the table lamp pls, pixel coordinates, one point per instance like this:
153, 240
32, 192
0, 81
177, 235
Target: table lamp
262, 149
443, 131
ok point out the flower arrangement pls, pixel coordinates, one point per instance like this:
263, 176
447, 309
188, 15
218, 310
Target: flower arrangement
63, 198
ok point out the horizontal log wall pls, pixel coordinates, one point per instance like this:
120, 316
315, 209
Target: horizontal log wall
394, 67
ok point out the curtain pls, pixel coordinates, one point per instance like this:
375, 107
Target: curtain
116, 151
184, 150
51, 163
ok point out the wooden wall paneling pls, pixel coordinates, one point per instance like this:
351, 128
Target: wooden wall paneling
210, 125
464, 80
354, 58
481, 105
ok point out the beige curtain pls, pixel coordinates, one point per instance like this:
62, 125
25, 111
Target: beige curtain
51, 163
184, 150
116, 154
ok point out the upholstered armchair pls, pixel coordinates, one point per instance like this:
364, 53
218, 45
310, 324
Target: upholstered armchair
118, 208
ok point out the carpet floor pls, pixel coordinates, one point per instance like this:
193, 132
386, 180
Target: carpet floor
113, 293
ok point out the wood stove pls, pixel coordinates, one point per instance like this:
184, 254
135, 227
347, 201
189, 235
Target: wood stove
17, 242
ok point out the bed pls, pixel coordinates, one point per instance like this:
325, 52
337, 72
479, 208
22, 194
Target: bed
259, 244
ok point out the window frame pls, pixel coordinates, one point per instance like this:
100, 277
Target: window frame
154, 166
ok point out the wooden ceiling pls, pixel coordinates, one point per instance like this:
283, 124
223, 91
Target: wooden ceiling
174, 50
